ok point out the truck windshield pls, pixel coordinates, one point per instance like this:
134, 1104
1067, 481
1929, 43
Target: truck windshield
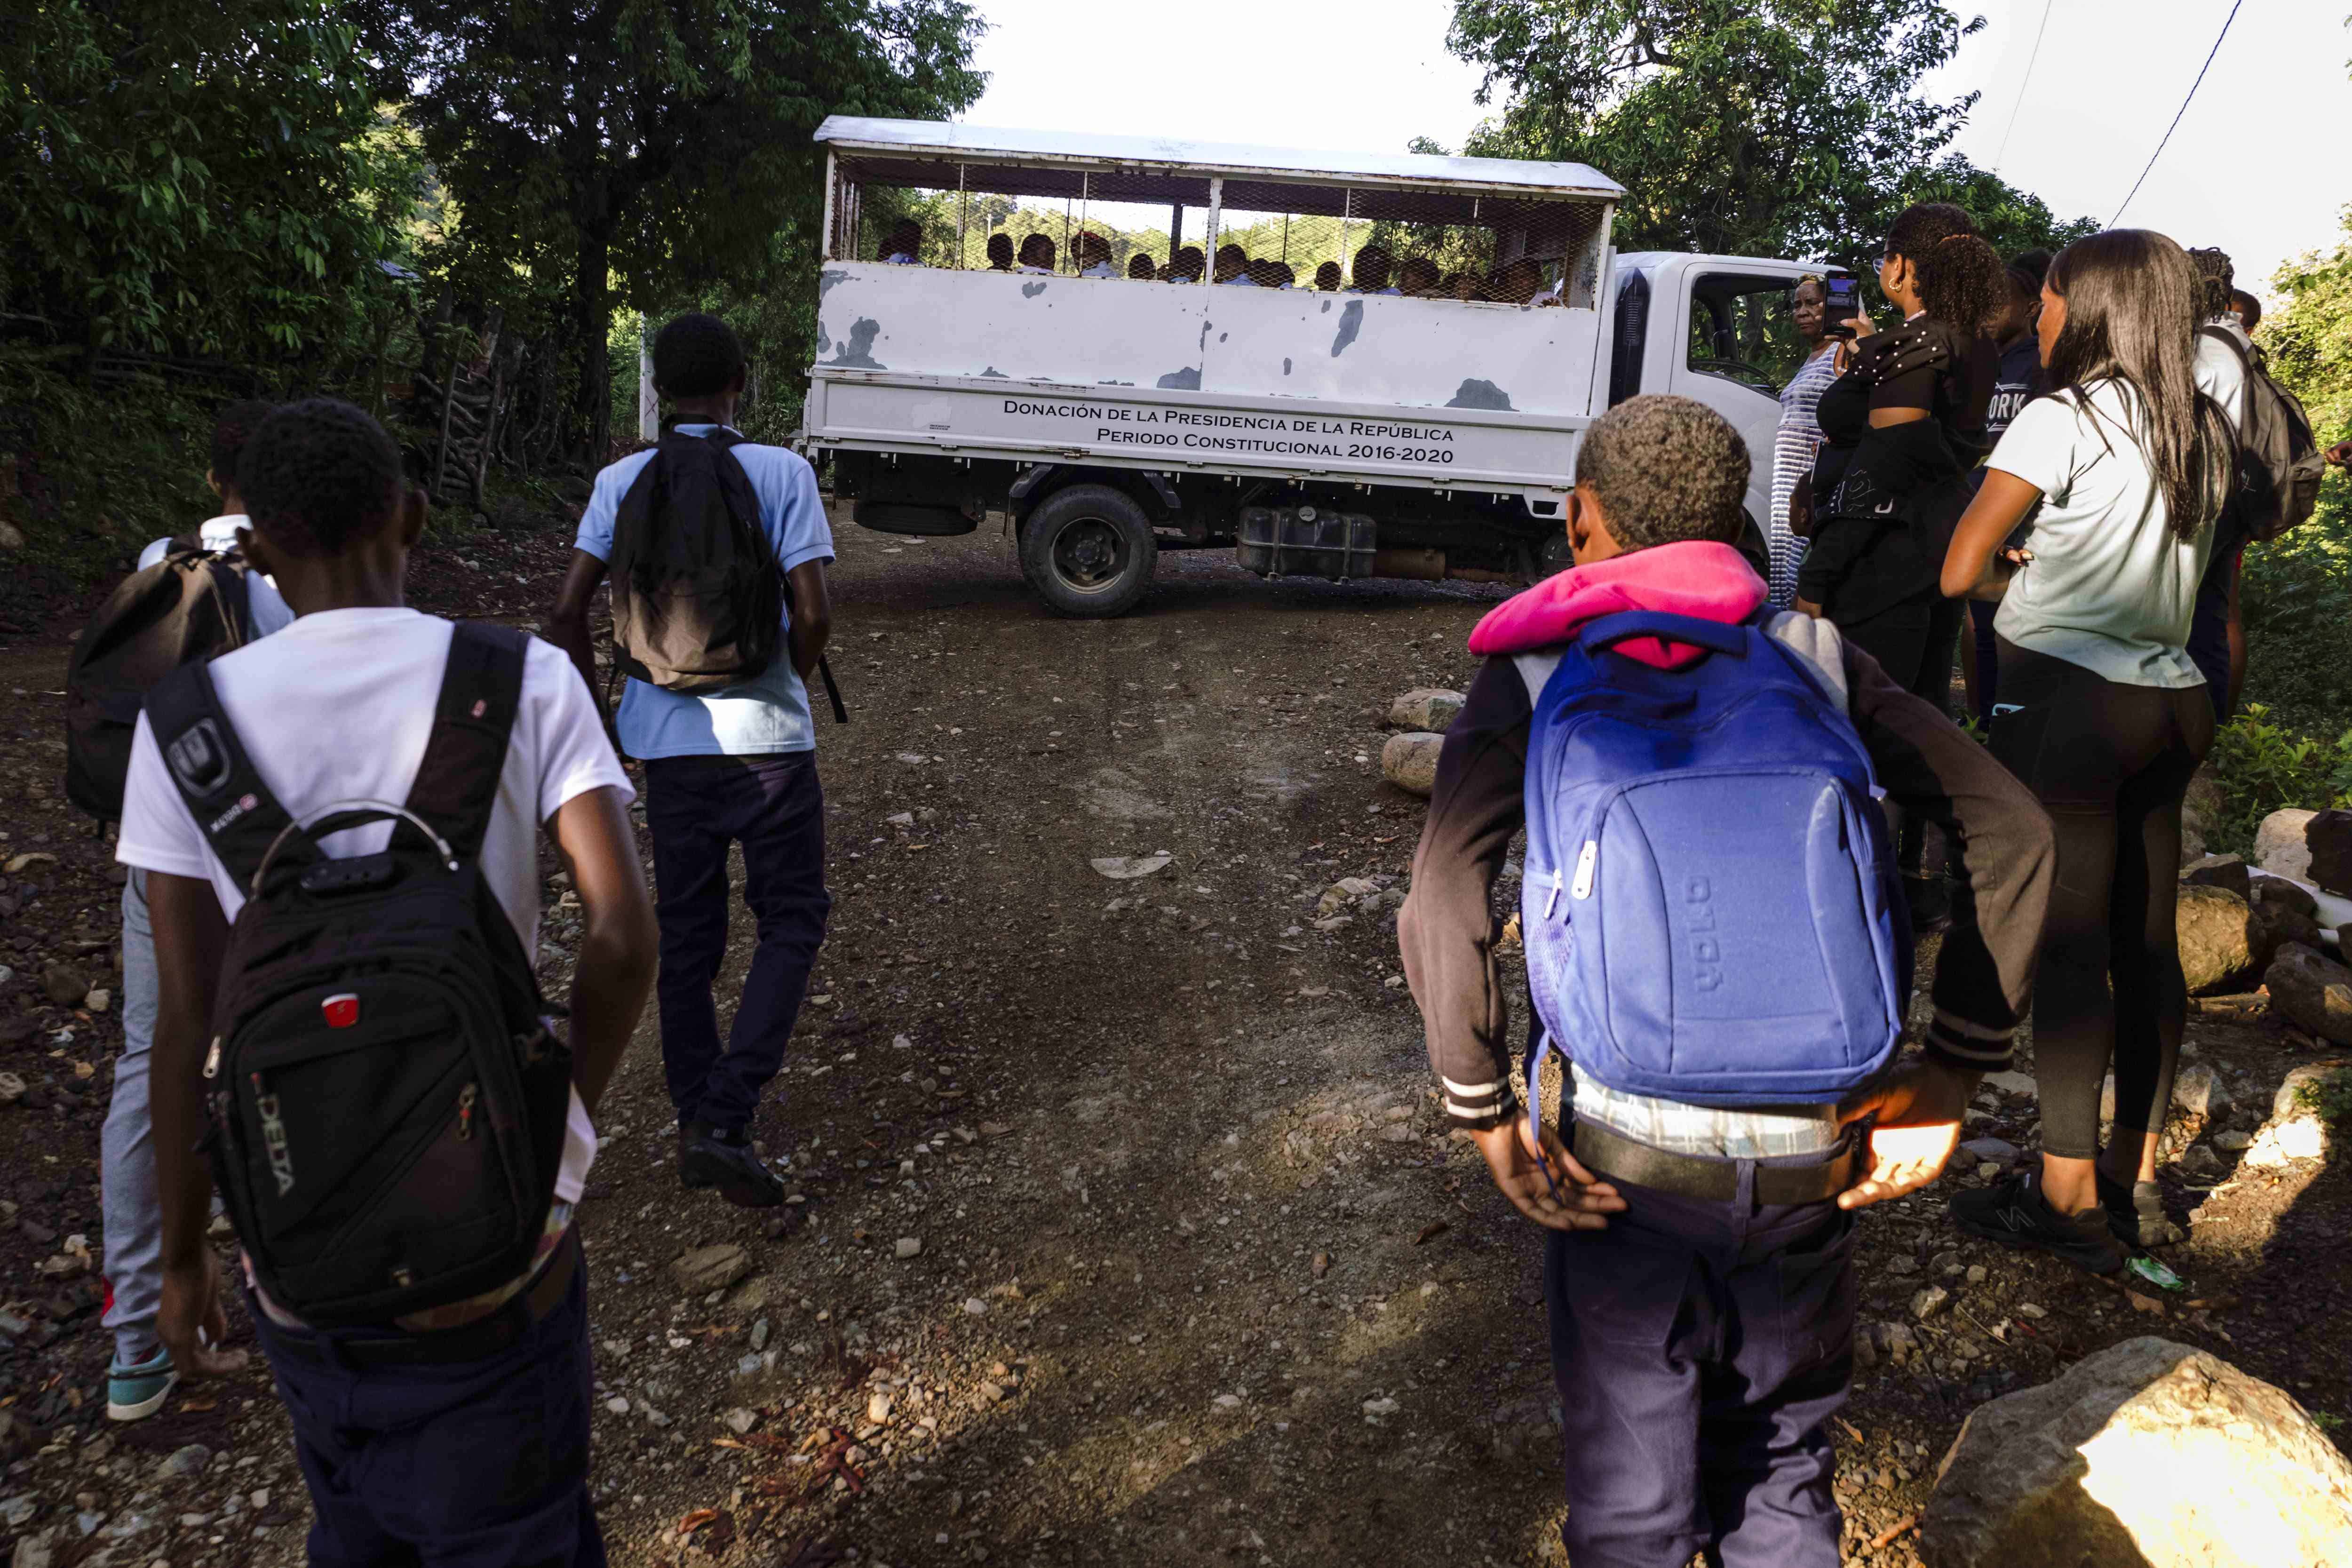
1742, 330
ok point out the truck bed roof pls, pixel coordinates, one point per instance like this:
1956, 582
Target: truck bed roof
919, 141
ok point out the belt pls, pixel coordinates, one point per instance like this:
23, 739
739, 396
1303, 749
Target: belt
504, 1328
1710, 1179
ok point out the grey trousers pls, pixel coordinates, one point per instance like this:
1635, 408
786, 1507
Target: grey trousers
134, 1218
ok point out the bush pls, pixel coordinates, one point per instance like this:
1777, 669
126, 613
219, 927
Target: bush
2295, 596
2262, 766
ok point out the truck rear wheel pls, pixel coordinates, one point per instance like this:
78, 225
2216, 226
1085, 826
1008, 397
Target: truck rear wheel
1089, 550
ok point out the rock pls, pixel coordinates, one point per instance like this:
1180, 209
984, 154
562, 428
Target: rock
1319, 1265
183, 1463
740, 1420
38, 1550
2272, 889
11, 1088
712, 1268
2277, 923
2201, 1162
877, 1410
1424, 708
2311, 992
759, 1337
1347, 891
2328, 837
1375, 1408
907, 1246
2296, 1089
1126, 867
618, 1405
974, 1307
2233, 1141
64, 985
2012, 1083
1408, 761
2279, 847
2226, 872
2000, 1150
2197, 1089
99, 1000
14, 1435
1928, 1301
2218, 936
2148, 1453
991, 1392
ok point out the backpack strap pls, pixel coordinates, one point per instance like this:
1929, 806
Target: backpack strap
240, 818
481, 689
2246, 385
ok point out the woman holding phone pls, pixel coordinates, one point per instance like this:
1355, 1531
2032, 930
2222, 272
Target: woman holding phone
2104, 715
1903, 424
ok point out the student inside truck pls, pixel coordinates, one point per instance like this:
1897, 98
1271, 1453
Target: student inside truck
1371, 271
1036, 254
1094, 255
1232, 267
1139, 268
904, 245
1000, 252
1418, 277
1185, 266
1521, 281
1327, 279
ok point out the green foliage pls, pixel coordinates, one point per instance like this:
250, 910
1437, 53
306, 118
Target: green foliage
2308, 335
2263, 767
201, 179
1742, 127
2330, 1100
661, 146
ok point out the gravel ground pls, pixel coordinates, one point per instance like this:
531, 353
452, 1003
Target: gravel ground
1125, 1226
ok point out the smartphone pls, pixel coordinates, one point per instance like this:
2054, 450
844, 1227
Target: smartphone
1840, 303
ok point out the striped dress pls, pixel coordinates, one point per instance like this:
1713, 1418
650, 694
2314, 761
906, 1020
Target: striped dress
1792, 459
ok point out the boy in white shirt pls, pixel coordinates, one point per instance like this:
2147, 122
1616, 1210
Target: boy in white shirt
458, 1433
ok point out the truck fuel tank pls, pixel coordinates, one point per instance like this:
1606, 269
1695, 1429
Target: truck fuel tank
1305, 542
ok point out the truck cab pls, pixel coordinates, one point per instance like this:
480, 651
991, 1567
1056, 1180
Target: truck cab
1335, 365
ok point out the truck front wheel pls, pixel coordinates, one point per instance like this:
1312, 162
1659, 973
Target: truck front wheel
1089, 550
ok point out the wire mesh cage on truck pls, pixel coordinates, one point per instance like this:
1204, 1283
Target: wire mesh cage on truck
1200, 339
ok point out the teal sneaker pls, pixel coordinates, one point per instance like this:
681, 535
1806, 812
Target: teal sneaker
135, 1393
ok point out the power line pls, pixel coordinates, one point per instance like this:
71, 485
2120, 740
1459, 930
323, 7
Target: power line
2022, 84
2183, 109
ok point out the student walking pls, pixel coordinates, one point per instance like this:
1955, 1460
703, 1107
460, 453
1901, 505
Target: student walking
730, 750
1722, 1074
399, 1134
2104, 714
141, 1375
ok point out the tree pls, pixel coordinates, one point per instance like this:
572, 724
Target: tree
663, 143
1741, 127
207, 179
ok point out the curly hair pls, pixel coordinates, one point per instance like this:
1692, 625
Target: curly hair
696, 356
1667, 469
2216, 279
1961, 280
318, 476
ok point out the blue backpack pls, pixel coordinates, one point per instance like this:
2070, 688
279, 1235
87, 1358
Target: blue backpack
1710, 909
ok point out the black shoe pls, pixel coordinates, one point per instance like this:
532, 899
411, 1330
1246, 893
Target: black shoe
1929, 902
2136, 1213
2014, 1212
711, 1157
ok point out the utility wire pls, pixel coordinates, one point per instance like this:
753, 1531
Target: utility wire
2183, 109
2023, 82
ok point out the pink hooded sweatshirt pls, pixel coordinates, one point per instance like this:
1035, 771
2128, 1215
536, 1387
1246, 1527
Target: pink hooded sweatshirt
1698, 578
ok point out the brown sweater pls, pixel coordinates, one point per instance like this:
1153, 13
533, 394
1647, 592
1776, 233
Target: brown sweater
2003, 858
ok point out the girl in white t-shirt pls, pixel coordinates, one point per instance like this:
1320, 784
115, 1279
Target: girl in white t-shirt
2104, 714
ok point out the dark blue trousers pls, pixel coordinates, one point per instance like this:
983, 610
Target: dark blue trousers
482, 1463
696, 807
1700, 1350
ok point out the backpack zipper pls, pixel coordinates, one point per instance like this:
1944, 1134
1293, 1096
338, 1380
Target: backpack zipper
466, 1098
1584, 858
1552, 902
211, 1058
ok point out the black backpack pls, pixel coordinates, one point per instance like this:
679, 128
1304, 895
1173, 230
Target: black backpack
187, 607
697, 603
387, 1102
2279, 463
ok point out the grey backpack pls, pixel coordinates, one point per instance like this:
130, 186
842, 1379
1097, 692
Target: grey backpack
2279, 464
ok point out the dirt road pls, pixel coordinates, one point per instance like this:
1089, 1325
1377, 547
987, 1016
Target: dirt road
1127, 1230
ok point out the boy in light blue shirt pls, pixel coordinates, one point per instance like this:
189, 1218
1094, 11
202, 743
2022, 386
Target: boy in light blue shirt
736, 765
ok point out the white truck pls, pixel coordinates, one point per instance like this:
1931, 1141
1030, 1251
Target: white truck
1005, 324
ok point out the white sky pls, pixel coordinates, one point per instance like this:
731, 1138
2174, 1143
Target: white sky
2259, 165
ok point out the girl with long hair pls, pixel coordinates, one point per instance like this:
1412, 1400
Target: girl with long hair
2103, 714
1903, 424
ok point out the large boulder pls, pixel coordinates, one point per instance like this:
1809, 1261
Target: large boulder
2149, 1453
2220, 941
2328, 837
1410, 761
2311, 992
2222, 871
1424, 708
2279, 847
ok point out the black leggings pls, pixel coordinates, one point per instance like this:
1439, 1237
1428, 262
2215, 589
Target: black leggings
1912, 644
2110, 762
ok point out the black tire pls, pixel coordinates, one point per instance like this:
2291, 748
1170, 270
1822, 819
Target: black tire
1089, 551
